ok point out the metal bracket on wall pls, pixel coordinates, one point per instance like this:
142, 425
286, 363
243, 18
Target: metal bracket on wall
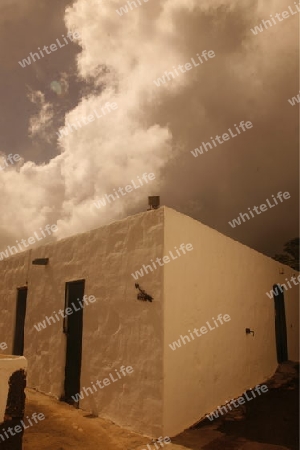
248, 331
142, 294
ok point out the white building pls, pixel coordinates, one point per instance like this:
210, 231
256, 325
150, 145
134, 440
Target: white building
159, 391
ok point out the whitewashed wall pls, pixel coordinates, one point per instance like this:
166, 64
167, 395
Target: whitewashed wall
118, 329
219, 276
168, 390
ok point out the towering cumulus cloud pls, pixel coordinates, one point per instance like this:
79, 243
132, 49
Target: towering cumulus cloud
154, 129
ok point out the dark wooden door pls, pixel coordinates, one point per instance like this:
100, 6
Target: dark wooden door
73, 328
280, 325
18, 346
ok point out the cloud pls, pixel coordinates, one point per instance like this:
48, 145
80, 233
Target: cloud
40, 123
154, 129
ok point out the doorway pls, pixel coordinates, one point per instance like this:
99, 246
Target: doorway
73, 325
280, 324
18, 346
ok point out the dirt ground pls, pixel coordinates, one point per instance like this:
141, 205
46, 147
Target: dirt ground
269, 423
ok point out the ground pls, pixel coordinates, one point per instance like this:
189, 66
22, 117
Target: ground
268, 423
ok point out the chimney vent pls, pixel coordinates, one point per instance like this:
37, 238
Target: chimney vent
154, 202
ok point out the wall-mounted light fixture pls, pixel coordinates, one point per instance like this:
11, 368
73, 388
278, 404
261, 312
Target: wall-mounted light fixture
142, 294
248, 331
40, 261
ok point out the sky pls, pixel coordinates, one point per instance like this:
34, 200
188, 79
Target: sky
114, 60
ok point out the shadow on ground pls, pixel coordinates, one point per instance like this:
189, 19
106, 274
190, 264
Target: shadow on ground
268, 423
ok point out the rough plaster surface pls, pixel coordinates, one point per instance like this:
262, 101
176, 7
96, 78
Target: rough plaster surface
118, 329
168, 390
219, 276
8, 366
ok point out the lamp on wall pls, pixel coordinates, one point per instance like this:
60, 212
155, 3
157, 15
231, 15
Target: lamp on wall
248, 331
40, 261
142, 294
